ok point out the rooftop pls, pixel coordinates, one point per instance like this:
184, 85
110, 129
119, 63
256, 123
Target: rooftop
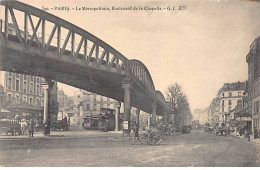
233, 86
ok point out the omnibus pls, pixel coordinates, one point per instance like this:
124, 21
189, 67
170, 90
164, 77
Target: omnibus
104, 121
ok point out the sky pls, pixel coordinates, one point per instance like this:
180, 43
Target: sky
201, 47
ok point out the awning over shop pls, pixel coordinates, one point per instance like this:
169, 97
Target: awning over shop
242, 112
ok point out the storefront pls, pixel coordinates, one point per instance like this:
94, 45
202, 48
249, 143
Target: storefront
244, 119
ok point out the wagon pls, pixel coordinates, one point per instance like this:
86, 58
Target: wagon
61, 124
221, 131
13, 128
153, 136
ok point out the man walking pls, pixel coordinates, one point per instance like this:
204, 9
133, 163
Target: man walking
136, 134
31, 128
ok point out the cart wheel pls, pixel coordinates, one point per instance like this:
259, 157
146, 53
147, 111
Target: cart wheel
154, 138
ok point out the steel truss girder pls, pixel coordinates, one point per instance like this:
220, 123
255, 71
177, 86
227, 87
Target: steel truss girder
135, 70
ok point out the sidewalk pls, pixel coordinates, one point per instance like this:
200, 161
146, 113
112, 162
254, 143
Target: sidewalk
257, 141
65, 134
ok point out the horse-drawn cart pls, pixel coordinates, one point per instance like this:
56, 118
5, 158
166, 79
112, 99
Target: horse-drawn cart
153, 136
14, 127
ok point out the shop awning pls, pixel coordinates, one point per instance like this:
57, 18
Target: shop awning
242, 113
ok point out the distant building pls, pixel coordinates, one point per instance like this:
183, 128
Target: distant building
228, 97
88, 103
201, 115
213, 111
64, 100
24, 94
253, 90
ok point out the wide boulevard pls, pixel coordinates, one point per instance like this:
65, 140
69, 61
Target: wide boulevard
94, 148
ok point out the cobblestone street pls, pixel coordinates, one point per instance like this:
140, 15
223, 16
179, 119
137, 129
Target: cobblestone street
94, 148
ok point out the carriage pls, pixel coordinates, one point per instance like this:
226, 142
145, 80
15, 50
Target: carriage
153, 136
223, 131
61, 124
14, 127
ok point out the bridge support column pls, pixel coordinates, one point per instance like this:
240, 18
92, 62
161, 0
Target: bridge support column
154, 106
165, 118
137, 117
127, 109
48, 85
117, 125
149, 121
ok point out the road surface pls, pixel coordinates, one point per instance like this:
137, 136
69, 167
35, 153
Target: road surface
195, 149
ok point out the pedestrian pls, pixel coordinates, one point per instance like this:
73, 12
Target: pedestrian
246, 133
65, 119
136, 134
31, 128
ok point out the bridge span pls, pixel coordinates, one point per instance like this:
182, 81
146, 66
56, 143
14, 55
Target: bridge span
81, 60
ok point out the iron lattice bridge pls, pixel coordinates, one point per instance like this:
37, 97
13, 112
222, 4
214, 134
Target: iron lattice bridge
60, 50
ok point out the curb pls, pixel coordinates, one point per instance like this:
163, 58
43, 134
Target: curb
245, 140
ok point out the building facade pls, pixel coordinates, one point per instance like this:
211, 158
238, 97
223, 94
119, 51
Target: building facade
253, 60
213, 111
87, 103
24, 94
228, 97
64, 100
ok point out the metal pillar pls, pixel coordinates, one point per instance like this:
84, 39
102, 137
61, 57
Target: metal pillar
137, 117
165, 118
154, 106
127, 109
48, 85
149, 121
117, 125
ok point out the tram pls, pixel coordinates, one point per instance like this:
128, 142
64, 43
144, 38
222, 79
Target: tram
104, 121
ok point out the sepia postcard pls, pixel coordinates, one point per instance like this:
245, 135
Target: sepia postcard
129, 83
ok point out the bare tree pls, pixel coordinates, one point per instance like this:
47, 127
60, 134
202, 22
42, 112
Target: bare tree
178, 102
173, 94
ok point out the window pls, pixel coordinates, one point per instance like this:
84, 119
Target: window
223, 105
17, 87
17, 99
31, 78
25, 87
88, 107
229, 94
31, 101
25, 77
17, 76
38, 102
38, 89
229, 103
31, 88
223, 94
37, 80
9, 83
9, 97
256, 107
